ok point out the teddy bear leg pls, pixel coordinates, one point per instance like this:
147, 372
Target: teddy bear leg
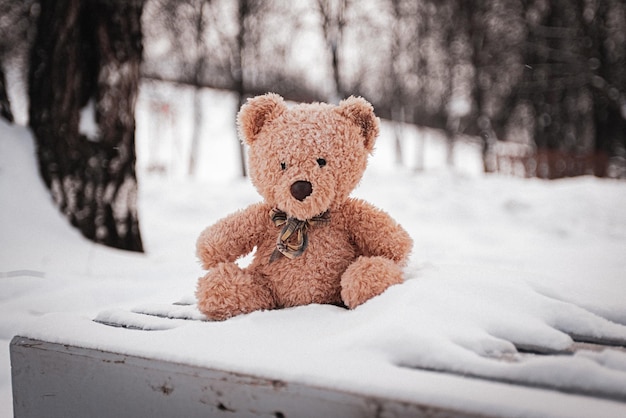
368, 277
227, 290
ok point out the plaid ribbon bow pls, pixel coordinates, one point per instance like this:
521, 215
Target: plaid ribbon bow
293, 239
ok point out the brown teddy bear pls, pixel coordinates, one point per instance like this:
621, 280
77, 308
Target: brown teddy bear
314, 244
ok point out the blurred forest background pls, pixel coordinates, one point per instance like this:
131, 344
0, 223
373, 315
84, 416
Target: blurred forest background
539, 84
547, 76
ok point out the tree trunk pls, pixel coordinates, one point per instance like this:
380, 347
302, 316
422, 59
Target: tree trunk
243, 13
608, 112
197, 91
5, 104
85, 67
332, 14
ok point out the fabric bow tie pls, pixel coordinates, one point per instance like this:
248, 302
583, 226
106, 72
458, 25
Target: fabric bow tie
293, 239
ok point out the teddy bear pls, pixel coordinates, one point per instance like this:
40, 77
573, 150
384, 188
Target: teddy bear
314, 243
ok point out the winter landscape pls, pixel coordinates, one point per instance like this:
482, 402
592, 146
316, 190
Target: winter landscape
505, 274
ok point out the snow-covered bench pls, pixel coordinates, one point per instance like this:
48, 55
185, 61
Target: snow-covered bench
58, 380
508, 353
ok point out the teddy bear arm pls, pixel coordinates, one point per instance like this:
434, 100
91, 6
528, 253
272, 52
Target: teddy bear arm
231, 237
376, 234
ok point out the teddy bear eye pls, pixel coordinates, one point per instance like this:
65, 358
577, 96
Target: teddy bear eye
283, 166
321, 162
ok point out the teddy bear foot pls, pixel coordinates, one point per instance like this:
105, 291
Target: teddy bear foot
368, 277
227, 290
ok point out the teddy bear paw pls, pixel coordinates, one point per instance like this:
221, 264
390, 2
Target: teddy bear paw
226, 291
368, 277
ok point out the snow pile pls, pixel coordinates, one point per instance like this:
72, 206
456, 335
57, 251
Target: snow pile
499, 265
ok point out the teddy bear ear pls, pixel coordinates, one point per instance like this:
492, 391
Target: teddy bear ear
257, 112
360, 112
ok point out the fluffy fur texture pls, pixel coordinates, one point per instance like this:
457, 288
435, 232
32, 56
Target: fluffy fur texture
352, 258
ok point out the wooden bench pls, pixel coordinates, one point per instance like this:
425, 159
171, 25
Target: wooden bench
57, 380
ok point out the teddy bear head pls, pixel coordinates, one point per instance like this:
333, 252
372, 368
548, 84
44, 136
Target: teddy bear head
307, 159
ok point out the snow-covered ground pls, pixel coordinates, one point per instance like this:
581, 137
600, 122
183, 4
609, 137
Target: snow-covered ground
498, 264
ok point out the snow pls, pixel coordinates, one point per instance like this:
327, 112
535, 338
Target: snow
499, 265
87, 124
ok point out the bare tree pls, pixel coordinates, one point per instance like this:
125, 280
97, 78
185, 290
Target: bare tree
243, 13
16, 21
605, 26
85, 71
333, 16
5, 104
229, 50
200, 64
397, 73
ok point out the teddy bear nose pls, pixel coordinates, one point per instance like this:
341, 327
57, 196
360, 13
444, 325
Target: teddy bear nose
301, 189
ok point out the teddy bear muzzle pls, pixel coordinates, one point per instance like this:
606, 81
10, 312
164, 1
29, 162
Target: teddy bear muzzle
301, 189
